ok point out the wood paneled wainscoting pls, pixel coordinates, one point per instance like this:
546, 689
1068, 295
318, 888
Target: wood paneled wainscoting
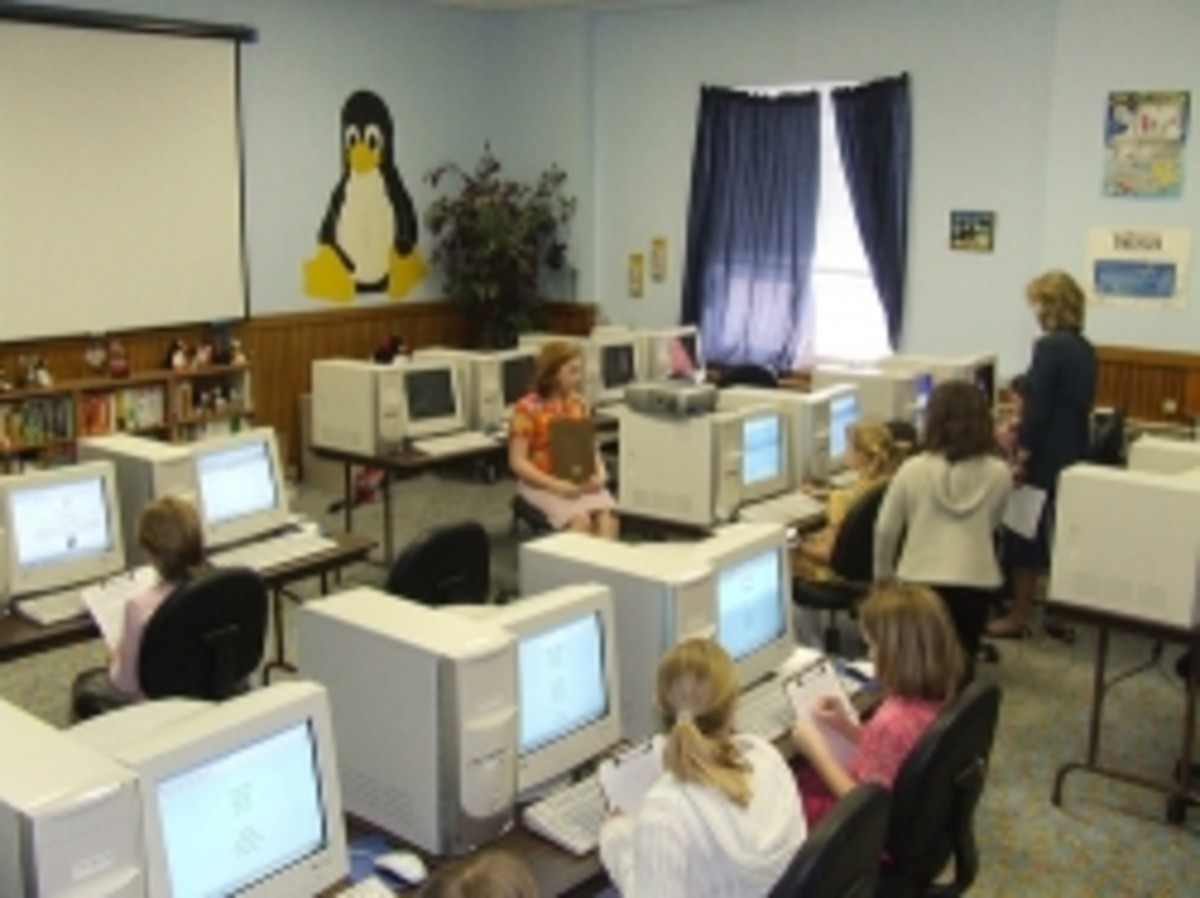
282, 348
1149, 384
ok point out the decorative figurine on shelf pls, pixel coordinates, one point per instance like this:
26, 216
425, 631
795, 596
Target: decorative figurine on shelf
204, 356
177, 357
118, 360
41, 376
237, 355
95, 357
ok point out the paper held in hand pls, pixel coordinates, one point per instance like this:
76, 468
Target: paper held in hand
807, 687
627, 777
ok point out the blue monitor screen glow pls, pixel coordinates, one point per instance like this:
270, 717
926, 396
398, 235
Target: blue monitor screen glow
762, 450
242, 817
843, 411
750, 613
562, 685
924, 389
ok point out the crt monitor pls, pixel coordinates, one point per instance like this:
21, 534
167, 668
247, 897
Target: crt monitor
764, 455
431, 400
753, 577
618, 366
567, 688
63, 527
517, 369
674, 354
238, 798
843, 412
241, 486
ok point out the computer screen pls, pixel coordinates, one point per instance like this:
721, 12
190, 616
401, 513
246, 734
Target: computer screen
617, 365
749, 613
673, 354
516, 377
430, 393
560, 676
258, 810
843, 411
63, 527
241, 486
762, 448
238, 798
567, 682
924, 389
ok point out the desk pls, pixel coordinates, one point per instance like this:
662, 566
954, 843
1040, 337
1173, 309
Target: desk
21, 638
1178, 793
404, 463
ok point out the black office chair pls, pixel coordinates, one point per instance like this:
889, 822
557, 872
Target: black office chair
934, 799
840, 857
204, 641
525, 512
746, 376
853, 563
448, 565
1108, 439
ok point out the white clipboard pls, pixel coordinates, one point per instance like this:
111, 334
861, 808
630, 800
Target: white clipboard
807, 687
627, 777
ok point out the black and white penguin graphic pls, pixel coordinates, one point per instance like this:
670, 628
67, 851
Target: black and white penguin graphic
368, 238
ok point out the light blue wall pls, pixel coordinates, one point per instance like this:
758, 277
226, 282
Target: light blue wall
1105, 45
431, 66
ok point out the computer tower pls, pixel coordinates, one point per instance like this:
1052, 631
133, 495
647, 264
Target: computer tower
357, 406
146, 470
686, 470
424, 712
70, 818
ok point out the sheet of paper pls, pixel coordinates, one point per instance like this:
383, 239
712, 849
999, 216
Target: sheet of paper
628, 777
106, 601
807, 687
1025, 510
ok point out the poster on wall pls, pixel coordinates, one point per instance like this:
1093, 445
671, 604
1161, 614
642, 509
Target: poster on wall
1139, 267
1145, 134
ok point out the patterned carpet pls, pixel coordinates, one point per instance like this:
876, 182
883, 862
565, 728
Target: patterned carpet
1107, 840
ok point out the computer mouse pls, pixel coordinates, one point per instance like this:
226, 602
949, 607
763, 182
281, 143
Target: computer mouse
404, 865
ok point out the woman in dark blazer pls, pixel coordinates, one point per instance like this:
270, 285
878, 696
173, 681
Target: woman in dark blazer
1053, 433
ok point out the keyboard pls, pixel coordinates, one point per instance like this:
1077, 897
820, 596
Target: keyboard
571, 817
453, 443
371, 887
275, 550
765, 711
53, 607
787, 508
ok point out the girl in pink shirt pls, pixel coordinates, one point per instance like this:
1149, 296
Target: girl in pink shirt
919, 664
169, 530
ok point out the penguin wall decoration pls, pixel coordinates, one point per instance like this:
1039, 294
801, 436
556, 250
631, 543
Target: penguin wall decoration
367, 241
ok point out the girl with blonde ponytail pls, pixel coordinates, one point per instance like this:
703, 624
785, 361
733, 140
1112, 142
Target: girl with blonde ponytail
723, 820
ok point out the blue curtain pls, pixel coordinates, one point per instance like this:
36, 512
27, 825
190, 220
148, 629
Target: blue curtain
752, 225
874, 125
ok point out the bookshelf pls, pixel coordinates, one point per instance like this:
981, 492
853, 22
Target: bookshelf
40, 426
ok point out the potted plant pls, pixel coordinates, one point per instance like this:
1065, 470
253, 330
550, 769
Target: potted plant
493, 235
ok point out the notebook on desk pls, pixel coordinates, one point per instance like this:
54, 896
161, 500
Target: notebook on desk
573, 449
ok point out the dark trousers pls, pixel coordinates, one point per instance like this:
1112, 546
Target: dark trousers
968, 607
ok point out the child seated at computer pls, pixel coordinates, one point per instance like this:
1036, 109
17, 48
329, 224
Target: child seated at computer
919, 665
589, 506
170, 532
493, 874
871, 454
1006, 431
723, 818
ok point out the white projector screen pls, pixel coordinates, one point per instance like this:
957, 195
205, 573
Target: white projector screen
120, 180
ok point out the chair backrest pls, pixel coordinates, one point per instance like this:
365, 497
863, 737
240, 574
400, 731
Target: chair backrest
747, 376
1108, 440
840, 857
935, 794
853, 554
206, 638
445, 566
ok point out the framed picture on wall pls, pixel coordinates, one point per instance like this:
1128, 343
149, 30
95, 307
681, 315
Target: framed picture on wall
637, 275
972, 231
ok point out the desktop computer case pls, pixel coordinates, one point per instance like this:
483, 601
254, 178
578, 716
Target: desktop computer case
425, 726
647, 624
356, 406
70, 818
686, 470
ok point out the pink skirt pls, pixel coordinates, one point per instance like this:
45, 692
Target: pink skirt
559, 510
